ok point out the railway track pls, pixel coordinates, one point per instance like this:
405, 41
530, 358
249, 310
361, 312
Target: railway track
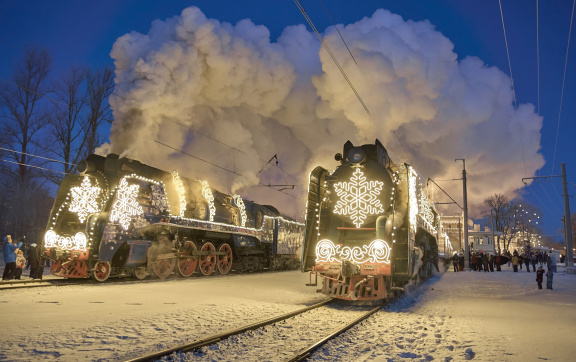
275, 337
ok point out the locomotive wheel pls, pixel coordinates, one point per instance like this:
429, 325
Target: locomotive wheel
140, 273
207, 262
187, 265
101, 271
225, 261
163, 268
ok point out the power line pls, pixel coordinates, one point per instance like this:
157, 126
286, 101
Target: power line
28, 165
335, 27
563, 82
297, 2
538, 53
220, 167
33, 155
511, 79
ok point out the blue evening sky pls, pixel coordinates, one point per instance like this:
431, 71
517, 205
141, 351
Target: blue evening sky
83, 32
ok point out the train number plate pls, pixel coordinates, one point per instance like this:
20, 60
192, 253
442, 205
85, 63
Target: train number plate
368, 267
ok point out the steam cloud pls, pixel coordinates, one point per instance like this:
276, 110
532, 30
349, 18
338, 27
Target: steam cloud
192, 80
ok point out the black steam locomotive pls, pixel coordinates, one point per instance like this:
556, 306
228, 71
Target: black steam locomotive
120, 217
370, 228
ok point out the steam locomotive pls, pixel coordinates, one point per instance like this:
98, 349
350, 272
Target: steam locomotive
120, 217
370, 228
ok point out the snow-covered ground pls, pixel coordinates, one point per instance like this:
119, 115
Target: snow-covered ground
455, 316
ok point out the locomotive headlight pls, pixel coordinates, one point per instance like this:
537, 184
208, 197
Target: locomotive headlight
356, 155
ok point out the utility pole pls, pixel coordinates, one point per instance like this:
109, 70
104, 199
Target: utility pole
466, 246
567, 226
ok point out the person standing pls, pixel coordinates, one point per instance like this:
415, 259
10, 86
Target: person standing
9, 257
527, 262
515, 263
34, 261
540, 276
455, 261
549, 279
20, 263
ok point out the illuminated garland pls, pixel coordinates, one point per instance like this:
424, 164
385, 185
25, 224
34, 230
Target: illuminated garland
377, 251
126, 205
412, 196
84, 199
179, 186
207, 193
358, 198
76, 242
240, 205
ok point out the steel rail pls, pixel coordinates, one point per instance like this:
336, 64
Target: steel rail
305, 353
216, 338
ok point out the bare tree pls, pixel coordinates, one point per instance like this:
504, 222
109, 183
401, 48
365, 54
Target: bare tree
99, 86
24, 112
66, 123
499, 205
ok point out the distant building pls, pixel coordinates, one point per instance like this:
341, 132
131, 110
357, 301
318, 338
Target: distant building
482, 240
454, 228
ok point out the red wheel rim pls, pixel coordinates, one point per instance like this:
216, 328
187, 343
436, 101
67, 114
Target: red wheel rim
101, 271
207, 262
163, 268
225, 261
187, 265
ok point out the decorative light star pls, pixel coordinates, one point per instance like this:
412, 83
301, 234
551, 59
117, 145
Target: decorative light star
126, 205
84, 199
207, 193
358, 198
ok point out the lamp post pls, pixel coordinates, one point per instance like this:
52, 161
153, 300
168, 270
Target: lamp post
466, 246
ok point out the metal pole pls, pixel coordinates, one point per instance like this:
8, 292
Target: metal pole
567, 226
492, 227
466, 246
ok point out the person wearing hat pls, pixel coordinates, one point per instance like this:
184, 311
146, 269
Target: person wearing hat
539, 276
20, 263
9, 257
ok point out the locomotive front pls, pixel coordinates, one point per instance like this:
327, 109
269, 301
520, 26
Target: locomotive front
350, 225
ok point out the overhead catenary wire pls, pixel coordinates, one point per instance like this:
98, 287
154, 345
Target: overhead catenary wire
319, 36
511, 79
563, 83
33, 166
220, 167
33, 155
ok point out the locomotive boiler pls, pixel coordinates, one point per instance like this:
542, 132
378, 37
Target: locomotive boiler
120, 217
370, 228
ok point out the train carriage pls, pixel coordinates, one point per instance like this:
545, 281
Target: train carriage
370, 228
120, 217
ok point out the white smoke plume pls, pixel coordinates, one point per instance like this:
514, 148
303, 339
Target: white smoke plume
192, 80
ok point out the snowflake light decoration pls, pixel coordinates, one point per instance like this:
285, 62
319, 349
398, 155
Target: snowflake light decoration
179, 186
207, 193
240, 204
126, 205
358, 198
76, 242
84, 199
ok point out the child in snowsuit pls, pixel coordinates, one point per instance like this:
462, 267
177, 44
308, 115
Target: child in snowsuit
20, 263
549, 279
539, 276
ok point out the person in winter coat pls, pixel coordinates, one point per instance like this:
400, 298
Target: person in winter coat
549, 279
539, 276
515, 263
34, 262
9, 257
455, 262
20, 263
527, 263
533, 261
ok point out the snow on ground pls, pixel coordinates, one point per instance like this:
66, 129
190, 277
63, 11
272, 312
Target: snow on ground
455, 316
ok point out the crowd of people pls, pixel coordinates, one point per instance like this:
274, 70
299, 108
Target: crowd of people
20, 256
487, 262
